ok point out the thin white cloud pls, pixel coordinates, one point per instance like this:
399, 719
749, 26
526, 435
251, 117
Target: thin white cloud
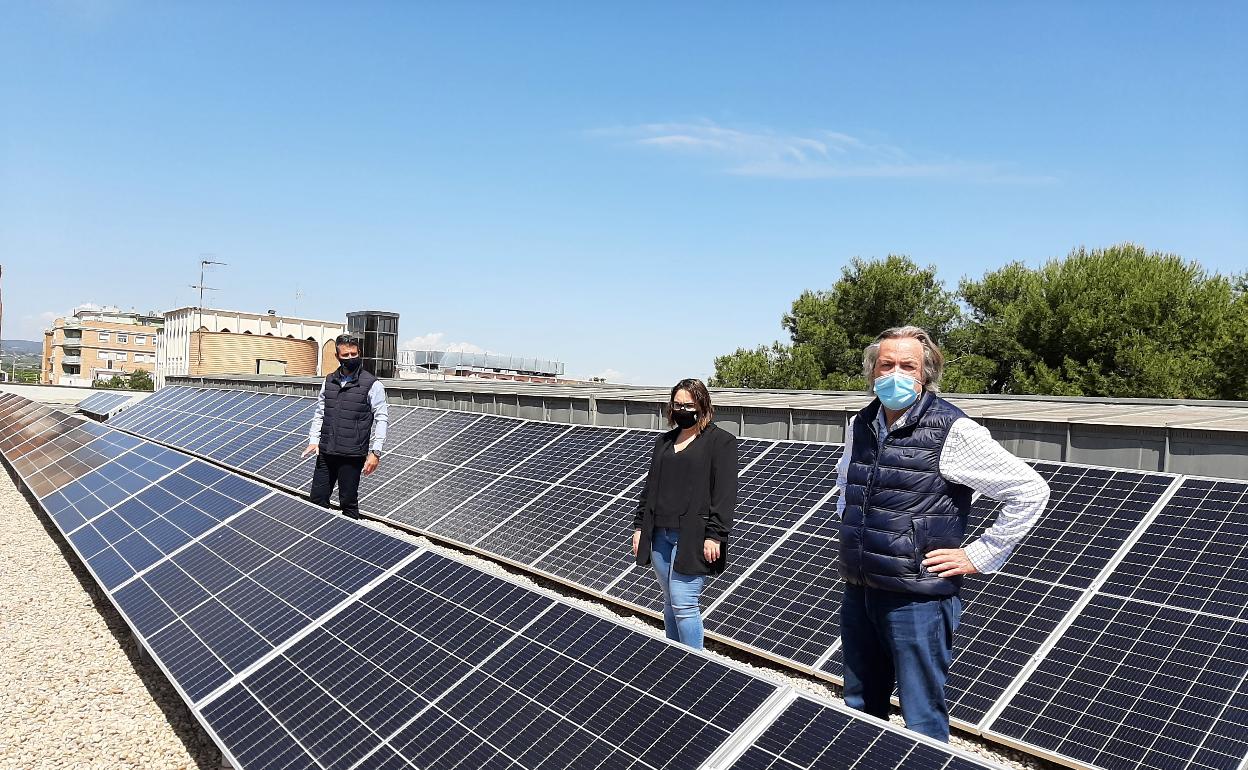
437, 341
610, 376
30, 327
817, 155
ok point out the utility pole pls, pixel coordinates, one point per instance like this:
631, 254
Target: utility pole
199, 309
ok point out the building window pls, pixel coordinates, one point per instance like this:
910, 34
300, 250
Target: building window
123, 339
106, 355
120, 356
139, 339
106, 336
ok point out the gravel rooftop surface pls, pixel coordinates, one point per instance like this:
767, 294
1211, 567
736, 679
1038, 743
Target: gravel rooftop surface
76, 691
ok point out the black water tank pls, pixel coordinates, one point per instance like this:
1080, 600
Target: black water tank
380, 332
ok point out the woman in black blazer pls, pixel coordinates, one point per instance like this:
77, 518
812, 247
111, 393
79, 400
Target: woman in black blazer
684, 515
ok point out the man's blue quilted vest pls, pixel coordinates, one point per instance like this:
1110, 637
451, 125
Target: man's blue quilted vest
348, 415
898, 506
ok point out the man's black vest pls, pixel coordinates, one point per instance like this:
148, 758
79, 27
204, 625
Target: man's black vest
348, 415
898, 506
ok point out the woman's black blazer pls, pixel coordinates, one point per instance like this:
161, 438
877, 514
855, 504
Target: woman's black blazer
712, 499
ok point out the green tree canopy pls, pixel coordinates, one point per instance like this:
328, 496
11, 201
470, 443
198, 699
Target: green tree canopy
1119, 322
828, 329
141, 380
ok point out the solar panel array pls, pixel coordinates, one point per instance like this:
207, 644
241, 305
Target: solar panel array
300, 639
558, 500
103, 404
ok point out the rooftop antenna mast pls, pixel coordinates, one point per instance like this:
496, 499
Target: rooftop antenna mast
199, 309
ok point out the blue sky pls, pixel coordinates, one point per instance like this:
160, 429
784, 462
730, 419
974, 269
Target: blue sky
631, 189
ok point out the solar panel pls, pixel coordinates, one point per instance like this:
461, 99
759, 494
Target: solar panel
529, 533
1091, 513
598, 552
1193, 553
1133, 684
1009, 617
789, 605
812, 736
750, 449
429, 437
472, 440
517, 446
156, 522
453, 672
783, 485
263, 449
618, 466
404, 479
452, 488
471, 520
103, 404
219, 604
55, 450
552, 462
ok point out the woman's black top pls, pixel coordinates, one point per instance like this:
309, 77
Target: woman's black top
673, 497
698, 487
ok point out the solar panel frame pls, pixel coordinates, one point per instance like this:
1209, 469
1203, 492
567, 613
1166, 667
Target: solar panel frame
566, 453
526, 535
104, 403
517, 446
1188, 554
767, 446
1097, 658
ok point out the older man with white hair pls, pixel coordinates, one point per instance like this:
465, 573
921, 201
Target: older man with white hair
911, 465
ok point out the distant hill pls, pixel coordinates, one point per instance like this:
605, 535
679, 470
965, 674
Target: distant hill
21, 347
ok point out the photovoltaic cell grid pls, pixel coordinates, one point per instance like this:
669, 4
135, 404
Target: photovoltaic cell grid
1008, 616
788, 606
1082, 527
533, 530
1091, 513
443, 668
1195, 553
103, 404
1136, 685
499, 498
577, 690
808, 736
221, 604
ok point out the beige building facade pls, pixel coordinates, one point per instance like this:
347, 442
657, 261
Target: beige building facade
204, 341
96, 343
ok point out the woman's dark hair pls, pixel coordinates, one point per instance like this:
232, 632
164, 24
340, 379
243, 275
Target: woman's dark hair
701, 397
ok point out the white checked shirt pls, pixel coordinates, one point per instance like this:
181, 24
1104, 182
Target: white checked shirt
971, 457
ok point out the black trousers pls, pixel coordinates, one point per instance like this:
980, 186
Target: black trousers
343, 471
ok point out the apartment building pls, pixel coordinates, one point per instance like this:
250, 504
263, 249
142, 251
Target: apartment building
96, 343
205, 341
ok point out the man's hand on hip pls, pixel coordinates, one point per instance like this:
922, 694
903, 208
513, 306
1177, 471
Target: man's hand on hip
949, 562
311, 450
370, 464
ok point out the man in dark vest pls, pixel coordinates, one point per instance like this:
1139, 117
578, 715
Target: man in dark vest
348, 429
912, 462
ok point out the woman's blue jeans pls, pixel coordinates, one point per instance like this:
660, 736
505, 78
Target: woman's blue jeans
682, 594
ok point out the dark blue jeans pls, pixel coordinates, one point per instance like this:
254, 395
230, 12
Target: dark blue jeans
890, 638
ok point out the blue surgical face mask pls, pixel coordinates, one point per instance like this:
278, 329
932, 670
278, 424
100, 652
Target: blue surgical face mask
896, 390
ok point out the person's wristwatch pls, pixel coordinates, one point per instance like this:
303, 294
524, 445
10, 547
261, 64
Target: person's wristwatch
375, 453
